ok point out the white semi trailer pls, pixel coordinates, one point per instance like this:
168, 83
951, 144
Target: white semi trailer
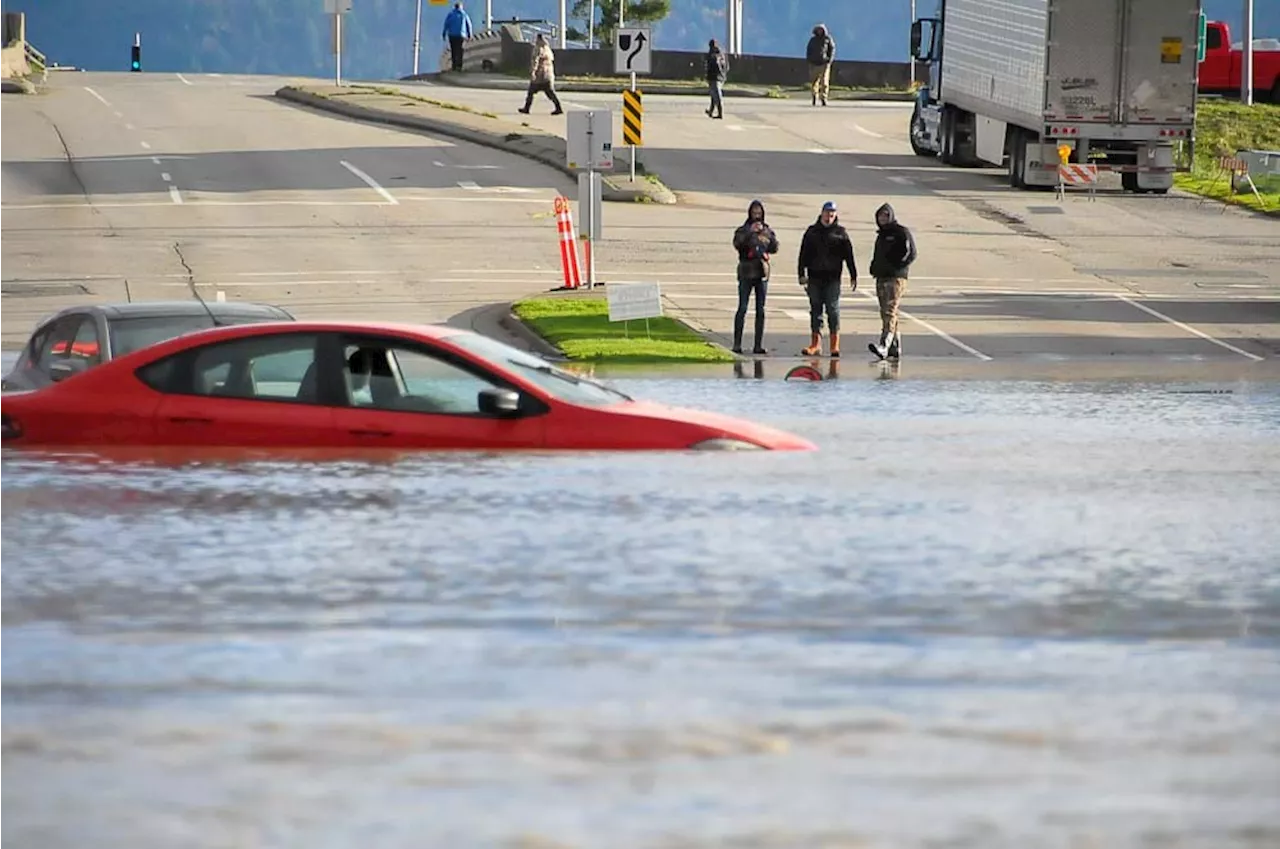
1012, 80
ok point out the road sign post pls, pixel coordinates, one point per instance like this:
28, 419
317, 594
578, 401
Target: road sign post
632, 122
589, 148
337, 8
632, 54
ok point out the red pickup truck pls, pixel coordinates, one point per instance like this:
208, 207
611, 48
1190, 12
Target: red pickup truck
1221, 68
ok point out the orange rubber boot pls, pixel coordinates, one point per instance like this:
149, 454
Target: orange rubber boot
815, 345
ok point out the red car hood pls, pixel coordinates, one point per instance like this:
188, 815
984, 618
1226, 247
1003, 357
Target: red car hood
728, 426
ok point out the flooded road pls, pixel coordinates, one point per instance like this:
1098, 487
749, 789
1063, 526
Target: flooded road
1012, 613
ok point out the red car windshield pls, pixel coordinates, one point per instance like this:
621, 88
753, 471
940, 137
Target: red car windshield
562, 384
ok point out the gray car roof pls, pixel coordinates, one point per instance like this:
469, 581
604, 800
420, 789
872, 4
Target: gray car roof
162, 309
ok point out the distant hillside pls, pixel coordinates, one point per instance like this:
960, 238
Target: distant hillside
292, 36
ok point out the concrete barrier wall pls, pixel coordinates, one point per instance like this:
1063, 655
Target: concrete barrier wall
15, 27
14, 62
748, 70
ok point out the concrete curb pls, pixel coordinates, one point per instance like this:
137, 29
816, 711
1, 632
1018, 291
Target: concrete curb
497, 321
541, 147
461, 81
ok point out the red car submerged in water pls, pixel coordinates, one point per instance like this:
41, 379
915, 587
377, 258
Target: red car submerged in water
360, 385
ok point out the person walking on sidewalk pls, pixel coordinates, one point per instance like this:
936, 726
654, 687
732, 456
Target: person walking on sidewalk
542, 76
820, 53
717, 71
894, 252
457, 29
754, 241
824, 249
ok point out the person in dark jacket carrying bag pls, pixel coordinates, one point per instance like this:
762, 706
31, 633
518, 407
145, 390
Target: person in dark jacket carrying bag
717, 70
754, 241
823, 251
895, 251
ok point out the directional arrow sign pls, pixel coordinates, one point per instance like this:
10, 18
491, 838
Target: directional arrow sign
633, 51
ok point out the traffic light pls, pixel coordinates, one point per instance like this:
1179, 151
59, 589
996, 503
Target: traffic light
136, 58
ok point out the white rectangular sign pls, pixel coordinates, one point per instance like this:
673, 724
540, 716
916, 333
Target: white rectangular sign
337, 7
628, 301
633, 50
589, 139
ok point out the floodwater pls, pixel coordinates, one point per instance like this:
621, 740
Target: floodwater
1021, 613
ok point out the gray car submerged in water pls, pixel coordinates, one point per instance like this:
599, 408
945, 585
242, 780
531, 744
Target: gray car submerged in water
78, 338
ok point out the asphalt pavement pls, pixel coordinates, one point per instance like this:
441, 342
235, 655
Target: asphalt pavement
138, 186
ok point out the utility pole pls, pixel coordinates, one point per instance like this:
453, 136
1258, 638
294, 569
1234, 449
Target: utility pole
417, 34
564, 14
911, 59
488, 15
622, 13
591, 27
1246, 70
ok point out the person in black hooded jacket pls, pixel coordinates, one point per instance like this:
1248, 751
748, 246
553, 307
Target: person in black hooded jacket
825, 250
754, 241
894, 252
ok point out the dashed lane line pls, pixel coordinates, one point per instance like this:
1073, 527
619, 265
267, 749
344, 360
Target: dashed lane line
1193, 331
372, 183
104, 101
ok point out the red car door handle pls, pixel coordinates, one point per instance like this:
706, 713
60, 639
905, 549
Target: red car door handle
370, 432
190, 420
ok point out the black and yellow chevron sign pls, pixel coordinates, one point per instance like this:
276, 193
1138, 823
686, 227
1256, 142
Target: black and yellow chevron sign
632, 118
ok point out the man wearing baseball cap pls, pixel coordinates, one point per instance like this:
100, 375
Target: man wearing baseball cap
824, 249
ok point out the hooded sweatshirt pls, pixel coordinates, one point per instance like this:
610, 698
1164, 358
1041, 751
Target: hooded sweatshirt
542, 64
824, 251
822, 47
754, 246
895, 248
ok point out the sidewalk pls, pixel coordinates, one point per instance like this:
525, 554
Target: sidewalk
690, 88
398, 108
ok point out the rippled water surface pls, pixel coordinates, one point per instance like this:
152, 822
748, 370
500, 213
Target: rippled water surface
1006, 614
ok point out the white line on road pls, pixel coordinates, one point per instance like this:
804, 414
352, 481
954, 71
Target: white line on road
213, 75
146, 145
865, 131
1188, 328
175, 195
130, 127
386, 195
899, 179
119, 114
164, 175
155, 160
469, 185
185, 80
936, 331
95, 94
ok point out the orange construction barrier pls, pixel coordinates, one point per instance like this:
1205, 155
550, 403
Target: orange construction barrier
568, 245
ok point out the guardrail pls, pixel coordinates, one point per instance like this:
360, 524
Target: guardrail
36, 60
481, 52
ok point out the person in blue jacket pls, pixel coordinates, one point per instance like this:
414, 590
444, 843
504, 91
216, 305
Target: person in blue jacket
457, 28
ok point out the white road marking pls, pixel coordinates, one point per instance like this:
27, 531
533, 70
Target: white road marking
175, 195
469, 186
155, 160
899, 179
865, 131
1193, 331
95, 94
801, 316
942, 333
130, 127
386, 195
185, 80
439, 164
213, 75
119, 114
164, 175
737, 128
818, 150
146, 145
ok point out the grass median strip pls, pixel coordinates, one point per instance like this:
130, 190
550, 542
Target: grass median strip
1222, 129
580, 327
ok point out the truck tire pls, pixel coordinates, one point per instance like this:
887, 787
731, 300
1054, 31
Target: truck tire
1129, 181
947, 136
912, 130
1017, 158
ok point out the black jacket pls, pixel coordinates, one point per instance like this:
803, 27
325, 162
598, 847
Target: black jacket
895, 248
821, 49
823, 250
754, 248
717, 66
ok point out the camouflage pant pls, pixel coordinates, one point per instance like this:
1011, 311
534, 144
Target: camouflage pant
889, 292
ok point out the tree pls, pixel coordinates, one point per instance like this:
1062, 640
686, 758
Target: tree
638, 12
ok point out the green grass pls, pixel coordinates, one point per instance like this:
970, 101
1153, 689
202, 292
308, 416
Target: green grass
1222, 129
439, 104
580, 327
